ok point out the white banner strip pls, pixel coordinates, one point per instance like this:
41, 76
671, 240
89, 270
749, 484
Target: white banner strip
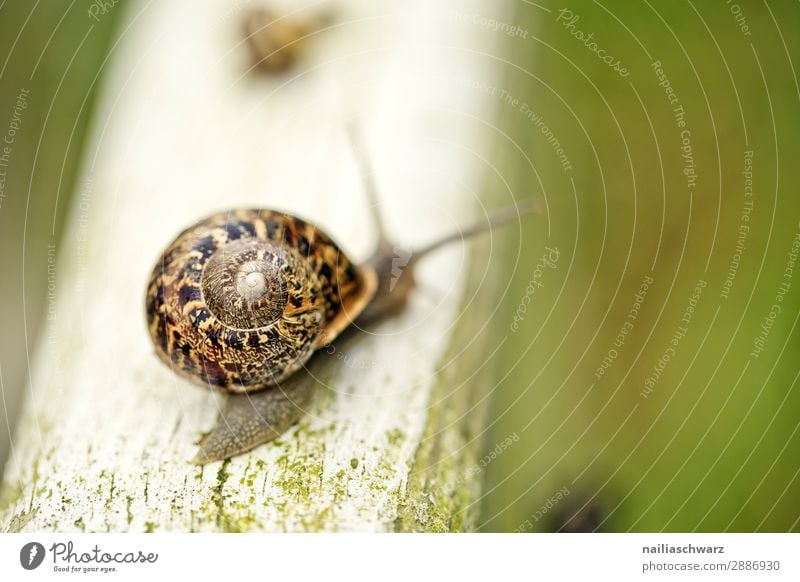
353, 557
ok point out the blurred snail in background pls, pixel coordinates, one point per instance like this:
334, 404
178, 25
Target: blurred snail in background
241, 301
276, 42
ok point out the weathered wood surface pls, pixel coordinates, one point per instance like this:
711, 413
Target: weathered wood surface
107, 430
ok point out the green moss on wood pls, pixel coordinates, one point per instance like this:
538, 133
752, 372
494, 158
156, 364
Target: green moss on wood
442, 491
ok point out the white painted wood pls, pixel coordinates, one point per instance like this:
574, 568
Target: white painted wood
184, 131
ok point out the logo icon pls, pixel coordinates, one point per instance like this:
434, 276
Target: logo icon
31, 555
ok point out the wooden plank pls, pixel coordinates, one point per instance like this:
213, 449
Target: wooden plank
183, 131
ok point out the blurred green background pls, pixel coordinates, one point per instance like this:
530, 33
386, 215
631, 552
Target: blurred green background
714, 445
54, 55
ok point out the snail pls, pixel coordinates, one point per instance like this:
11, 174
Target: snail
242, 301
276, 42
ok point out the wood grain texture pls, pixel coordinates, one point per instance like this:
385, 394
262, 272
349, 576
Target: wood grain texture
184, 130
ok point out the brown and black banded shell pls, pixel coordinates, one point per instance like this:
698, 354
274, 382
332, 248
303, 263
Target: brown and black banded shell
242, 299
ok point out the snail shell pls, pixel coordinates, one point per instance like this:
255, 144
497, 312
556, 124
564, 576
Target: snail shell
242, 299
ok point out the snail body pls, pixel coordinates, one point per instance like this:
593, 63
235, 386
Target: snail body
241, 300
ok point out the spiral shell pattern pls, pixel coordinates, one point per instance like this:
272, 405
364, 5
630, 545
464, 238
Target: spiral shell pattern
241, 300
